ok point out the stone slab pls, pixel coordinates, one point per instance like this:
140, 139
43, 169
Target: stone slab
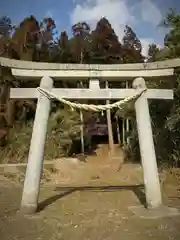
154, 213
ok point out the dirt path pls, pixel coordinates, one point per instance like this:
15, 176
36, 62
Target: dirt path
90, 203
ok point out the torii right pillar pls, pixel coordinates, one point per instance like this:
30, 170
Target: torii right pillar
147, 150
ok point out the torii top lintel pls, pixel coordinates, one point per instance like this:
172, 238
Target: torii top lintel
28, 69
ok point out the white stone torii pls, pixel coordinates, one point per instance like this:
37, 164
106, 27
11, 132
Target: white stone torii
46, 71
36, 152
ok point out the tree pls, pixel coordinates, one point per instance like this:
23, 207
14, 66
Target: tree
80, 43
172, 39
130, 40
61, 50
167, 130
131, 46
152, 52
46, 41
6, 26
157, 54
6, 29
106, 47
24, 39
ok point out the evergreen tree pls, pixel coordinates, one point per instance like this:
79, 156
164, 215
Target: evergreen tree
106, 47
152, 52
172, 39
6, 26
131, 46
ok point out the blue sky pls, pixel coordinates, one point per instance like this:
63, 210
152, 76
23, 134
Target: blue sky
142, 15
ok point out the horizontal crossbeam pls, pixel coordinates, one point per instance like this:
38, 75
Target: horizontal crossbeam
32, 93
85, 74
12, 63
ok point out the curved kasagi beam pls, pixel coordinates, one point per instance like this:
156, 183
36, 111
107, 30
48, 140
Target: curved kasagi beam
12, 63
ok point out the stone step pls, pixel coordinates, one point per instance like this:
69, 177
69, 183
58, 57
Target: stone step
103, 150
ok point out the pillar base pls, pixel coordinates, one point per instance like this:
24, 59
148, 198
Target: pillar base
154, 213
28, 209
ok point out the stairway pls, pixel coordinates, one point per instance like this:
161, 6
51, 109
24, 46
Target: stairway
103, 151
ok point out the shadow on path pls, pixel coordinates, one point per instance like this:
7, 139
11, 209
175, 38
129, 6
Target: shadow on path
137, 189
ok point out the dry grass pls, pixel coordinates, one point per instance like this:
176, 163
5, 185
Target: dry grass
60, 137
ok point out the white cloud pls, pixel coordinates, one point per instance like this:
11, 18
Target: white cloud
150, 13
118, 13
92, 10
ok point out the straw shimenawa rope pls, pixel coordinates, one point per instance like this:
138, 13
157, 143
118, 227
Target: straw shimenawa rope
91, 107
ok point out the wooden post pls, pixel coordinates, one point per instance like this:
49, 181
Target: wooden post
118, 130
148, 156
82, 126
31, 189
82, 131
127, 124
109, 123
123, 131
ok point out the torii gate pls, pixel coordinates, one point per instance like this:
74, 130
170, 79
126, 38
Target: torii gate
24, 69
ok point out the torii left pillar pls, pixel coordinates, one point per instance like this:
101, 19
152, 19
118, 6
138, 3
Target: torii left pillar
31, 188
